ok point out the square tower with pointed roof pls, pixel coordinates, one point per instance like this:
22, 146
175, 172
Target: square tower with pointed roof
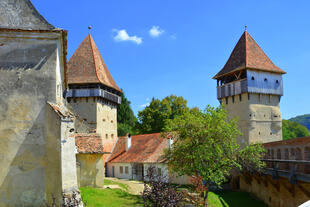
93, 94
250, 87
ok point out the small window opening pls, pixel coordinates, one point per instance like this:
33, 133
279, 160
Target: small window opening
248, 96
270, 133
121, 169
240, 97
233, 99
277, 81
112, 136
86, 99
226, 100
103, 119
250, 115
111, 121
106, 136
253, 78
258, 133
126, 170
265, 79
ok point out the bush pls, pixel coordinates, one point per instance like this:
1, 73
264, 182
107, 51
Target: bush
158, 193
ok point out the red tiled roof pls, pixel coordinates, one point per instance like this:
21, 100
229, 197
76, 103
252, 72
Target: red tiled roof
89, 143
61, 110
248, 55
295, 141
87, 66
145, 148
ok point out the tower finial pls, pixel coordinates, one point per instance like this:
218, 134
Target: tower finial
89, 29
245, 27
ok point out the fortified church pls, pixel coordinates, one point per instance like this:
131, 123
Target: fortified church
58, 118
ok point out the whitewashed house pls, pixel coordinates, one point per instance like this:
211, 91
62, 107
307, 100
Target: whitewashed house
133, 155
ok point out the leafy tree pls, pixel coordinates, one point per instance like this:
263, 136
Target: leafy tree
291, 129
154, 117
205, 146
126, 119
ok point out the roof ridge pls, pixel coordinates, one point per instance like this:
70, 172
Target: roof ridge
93, 54
246, 49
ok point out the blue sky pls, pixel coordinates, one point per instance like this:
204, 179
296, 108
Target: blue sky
194, 40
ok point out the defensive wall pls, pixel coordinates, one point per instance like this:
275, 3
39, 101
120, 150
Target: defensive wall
286, 179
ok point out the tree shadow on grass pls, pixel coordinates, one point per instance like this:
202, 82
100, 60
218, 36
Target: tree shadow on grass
135, 199
237, 199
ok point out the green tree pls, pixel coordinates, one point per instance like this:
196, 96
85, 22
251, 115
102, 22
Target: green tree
155, 116
126, 119
292, 129
205, 146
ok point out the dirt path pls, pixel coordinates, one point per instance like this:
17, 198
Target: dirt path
135, 187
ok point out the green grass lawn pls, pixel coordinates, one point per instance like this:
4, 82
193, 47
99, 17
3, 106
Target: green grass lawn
233, 199
93, 197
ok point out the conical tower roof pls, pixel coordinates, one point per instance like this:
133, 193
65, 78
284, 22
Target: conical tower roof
86, 66
248, 55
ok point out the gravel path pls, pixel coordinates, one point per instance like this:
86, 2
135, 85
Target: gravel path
135, 187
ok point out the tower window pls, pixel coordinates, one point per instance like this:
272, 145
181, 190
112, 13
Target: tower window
111, 121
277, 81
253, 78
233, 99
106, 136
265, 79
258, 133
226, 100
240, 97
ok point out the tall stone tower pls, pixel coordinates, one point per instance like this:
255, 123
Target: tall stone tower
93, 94
250, 87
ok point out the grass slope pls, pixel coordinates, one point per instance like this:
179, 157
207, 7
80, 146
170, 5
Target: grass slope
93, 197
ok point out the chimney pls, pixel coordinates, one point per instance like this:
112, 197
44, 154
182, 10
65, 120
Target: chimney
128, 142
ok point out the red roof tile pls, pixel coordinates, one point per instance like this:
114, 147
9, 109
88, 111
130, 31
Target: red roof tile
145, 148
89, 143
295, 141
248, 55
61, 110
87, 66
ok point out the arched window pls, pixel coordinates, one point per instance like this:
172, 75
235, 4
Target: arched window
277, 81
265, 79
253, 78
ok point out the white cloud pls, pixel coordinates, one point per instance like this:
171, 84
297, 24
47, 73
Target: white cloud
155, 31
122, 35
144, 105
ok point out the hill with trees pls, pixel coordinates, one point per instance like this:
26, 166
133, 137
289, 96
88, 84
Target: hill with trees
291, 129
303, 120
